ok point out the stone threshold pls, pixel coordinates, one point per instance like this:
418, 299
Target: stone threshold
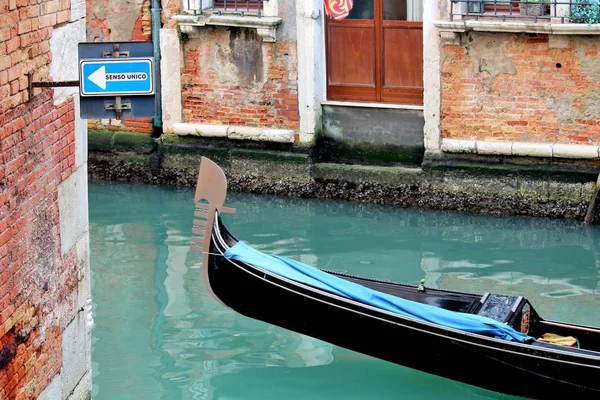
529, 149
371, 105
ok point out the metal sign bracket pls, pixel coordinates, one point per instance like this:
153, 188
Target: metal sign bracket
118, 107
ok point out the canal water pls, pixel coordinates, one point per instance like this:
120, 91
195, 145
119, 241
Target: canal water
159, 335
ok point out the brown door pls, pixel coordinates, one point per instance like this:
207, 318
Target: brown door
376, 53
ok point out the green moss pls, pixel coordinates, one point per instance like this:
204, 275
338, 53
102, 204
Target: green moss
391, 176
100, 141
141, 143
190, 141
272, 156
352, 151
533, 167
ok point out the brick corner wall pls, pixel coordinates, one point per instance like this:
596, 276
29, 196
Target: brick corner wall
39, 280
521, 87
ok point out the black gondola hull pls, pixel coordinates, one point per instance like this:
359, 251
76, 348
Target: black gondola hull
501, 366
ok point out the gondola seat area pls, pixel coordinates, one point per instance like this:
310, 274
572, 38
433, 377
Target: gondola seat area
494, 315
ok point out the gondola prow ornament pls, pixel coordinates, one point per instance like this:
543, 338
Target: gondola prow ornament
211, 191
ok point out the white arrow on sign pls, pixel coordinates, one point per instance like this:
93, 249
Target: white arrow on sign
100, 77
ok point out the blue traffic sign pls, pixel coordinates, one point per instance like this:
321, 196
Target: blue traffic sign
116, 77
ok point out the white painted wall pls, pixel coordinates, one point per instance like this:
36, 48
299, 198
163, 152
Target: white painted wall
170, 75
65, 64
74, 382
311, 66
432, 10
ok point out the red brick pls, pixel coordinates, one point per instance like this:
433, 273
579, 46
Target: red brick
30, 12
13, 44
14, 87
24, 26
63, 16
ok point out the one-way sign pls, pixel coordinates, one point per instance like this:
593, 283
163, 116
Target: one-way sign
114, 77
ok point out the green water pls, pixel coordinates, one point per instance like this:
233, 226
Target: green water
159, 335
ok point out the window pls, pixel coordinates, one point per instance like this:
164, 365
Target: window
223, 5
239, 4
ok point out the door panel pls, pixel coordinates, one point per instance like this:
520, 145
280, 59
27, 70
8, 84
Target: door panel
402, 62
352, 56
351, 60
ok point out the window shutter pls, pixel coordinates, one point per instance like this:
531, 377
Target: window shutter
502, 7
241, 4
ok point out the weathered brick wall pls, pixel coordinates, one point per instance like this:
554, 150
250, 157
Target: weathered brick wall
519, 87
231, 77
38, 283
117, 20
170, 8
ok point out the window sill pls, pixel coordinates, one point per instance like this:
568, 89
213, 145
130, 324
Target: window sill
266, 27
450, 29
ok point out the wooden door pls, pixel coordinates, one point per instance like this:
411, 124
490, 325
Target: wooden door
376, 53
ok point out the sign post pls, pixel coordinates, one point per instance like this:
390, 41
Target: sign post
117, 80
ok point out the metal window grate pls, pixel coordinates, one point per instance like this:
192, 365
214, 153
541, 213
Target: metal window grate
219, 7
556, 11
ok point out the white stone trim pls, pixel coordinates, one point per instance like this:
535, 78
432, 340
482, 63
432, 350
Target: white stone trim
459, 146
271, 8
575, 151
310, 42
432, 93
371, 105
515, 27
235, 132
170, 72
529, 149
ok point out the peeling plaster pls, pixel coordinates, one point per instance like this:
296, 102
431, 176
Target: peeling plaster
239, 57
563, 107
587, 52
484, 49
113, 19
590, 100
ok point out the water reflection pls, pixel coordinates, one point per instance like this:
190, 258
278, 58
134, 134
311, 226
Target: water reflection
159, 328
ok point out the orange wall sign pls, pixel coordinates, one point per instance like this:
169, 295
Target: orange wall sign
338, 9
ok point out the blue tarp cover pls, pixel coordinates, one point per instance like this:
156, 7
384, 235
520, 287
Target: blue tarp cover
312, 276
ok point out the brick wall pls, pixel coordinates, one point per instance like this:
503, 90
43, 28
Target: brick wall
519, 87
231, 77
38, 295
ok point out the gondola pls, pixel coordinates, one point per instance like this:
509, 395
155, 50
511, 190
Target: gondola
492, 341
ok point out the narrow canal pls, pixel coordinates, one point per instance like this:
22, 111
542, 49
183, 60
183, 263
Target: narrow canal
159, 335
